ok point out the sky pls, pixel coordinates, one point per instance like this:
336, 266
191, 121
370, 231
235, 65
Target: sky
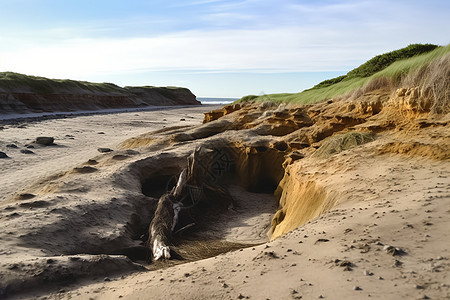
216, 48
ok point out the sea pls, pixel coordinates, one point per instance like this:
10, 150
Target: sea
205, 100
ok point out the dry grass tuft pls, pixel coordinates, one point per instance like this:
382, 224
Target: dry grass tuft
433, 81
342, 142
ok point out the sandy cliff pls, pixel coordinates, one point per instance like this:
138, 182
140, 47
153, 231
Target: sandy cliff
25, 94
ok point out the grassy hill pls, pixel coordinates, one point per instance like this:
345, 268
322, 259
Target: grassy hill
35, 84
11, 81
393, 66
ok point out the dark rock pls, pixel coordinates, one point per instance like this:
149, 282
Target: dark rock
45, 140
92, 162
85, 170
25, 196
393, 250
13, 146
357, 288
29, 146
120, 157
75, 258
104, 150
397, 263
3, 155
322, 241
346, 265
271, 254
132, 152
26, 151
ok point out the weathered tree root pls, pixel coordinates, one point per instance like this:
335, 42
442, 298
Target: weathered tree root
166, 215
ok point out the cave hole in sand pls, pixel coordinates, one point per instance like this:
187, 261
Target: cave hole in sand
229, 204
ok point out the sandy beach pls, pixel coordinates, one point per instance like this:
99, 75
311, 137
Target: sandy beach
77, 139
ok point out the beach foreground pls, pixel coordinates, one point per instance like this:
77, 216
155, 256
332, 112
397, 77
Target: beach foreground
297, 214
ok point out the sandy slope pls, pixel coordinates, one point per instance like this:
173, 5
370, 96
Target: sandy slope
383, 195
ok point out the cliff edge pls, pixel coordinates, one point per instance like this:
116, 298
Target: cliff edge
28, 94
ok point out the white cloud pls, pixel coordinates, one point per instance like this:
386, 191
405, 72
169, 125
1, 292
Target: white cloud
322, 41
281, 49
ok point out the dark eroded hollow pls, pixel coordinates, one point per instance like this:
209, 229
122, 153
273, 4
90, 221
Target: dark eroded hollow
212, 209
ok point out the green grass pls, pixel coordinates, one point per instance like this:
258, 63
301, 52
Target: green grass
165, 91
382, 61
16, 81
343, 85
41, 85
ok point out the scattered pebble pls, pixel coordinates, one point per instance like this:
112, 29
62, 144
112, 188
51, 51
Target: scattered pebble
393, 250
322, 241
104, 150
397, 263
26, 151
92, 162
25, 196
45, 140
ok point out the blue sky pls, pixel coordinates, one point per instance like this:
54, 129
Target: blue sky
216, 48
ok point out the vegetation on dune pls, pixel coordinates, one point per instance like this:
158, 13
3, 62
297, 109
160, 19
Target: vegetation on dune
380, 62
16, 81
393, 66
165, 91
338, 143
41, 85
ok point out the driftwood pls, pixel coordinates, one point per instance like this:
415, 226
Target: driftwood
166, 215
192, 184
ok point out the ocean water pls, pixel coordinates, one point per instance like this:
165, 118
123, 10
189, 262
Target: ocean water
224, 101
